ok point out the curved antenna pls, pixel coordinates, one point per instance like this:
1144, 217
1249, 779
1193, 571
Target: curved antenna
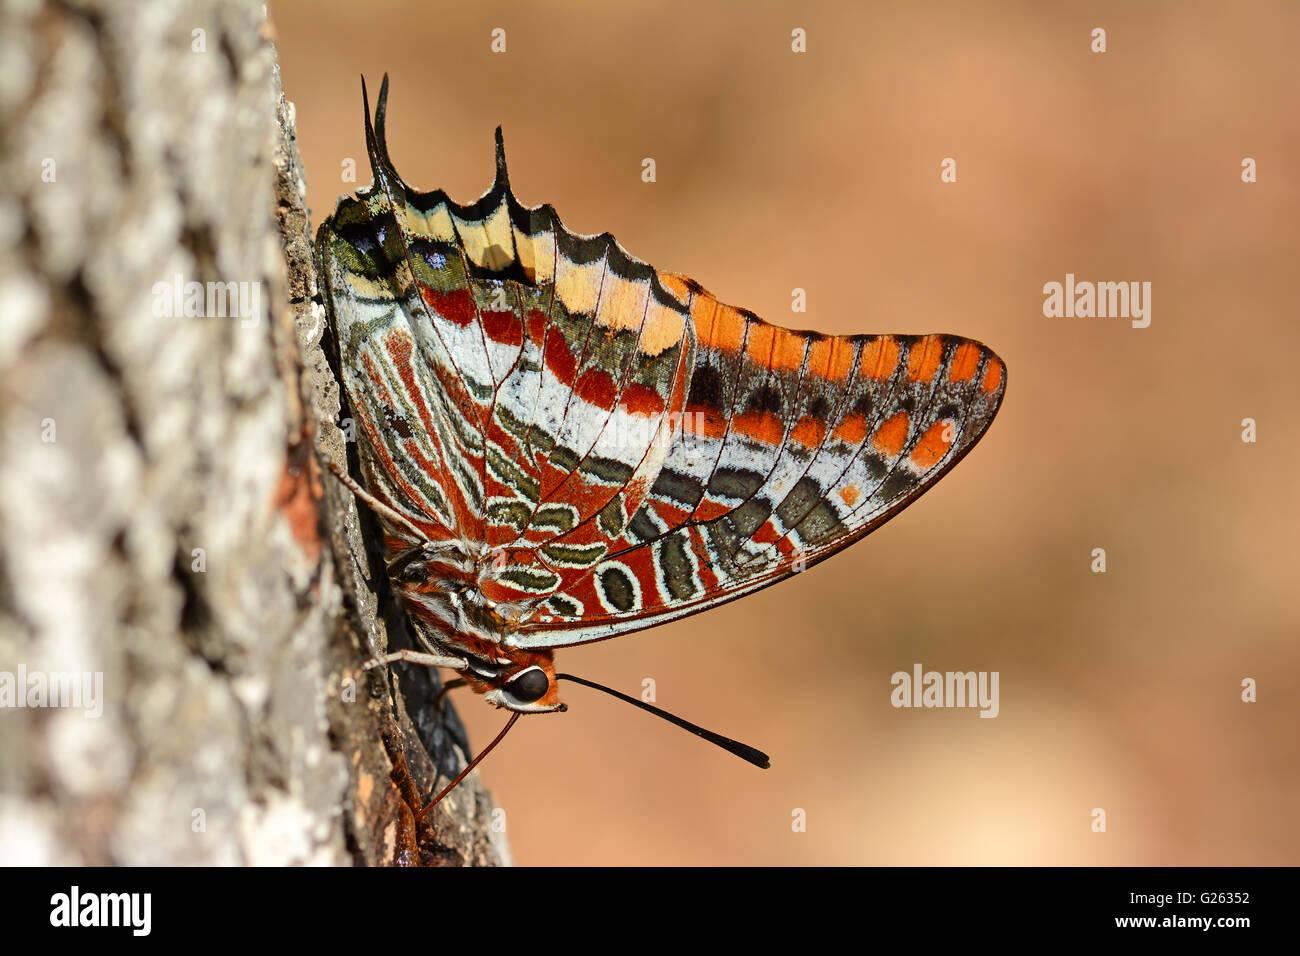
743, 751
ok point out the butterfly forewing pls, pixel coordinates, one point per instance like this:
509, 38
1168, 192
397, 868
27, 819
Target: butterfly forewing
620, 446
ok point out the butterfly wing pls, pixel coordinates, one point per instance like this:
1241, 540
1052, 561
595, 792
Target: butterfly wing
623, 448
792, 446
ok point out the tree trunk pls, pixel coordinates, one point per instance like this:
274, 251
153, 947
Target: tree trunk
166, 527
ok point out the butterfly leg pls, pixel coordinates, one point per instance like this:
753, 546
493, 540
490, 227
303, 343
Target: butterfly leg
375, 505
418, 657
450, 685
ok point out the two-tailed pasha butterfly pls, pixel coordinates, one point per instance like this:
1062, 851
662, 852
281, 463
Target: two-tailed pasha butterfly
564, 444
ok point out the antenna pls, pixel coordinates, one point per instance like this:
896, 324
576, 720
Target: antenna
743, 751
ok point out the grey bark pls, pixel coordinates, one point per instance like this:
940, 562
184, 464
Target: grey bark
164, 517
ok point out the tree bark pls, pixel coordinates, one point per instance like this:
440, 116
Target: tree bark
165, 521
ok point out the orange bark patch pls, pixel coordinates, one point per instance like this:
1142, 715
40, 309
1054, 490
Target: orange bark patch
933, 445
892, 435
298, 495
879, 358
923, 359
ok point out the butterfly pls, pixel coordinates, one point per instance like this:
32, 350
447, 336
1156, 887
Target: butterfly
564, 444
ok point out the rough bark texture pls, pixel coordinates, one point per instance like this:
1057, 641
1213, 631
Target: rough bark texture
164, 517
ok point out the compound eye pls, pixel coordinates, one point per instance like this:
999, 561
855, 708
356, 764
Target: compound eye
529, 686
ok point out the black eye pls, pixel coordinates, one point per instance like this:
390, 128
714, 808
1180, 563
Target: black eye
529, 686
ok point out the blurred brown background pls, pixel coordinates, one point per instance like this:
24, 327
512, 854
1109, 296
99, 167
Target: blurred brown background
821, 170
